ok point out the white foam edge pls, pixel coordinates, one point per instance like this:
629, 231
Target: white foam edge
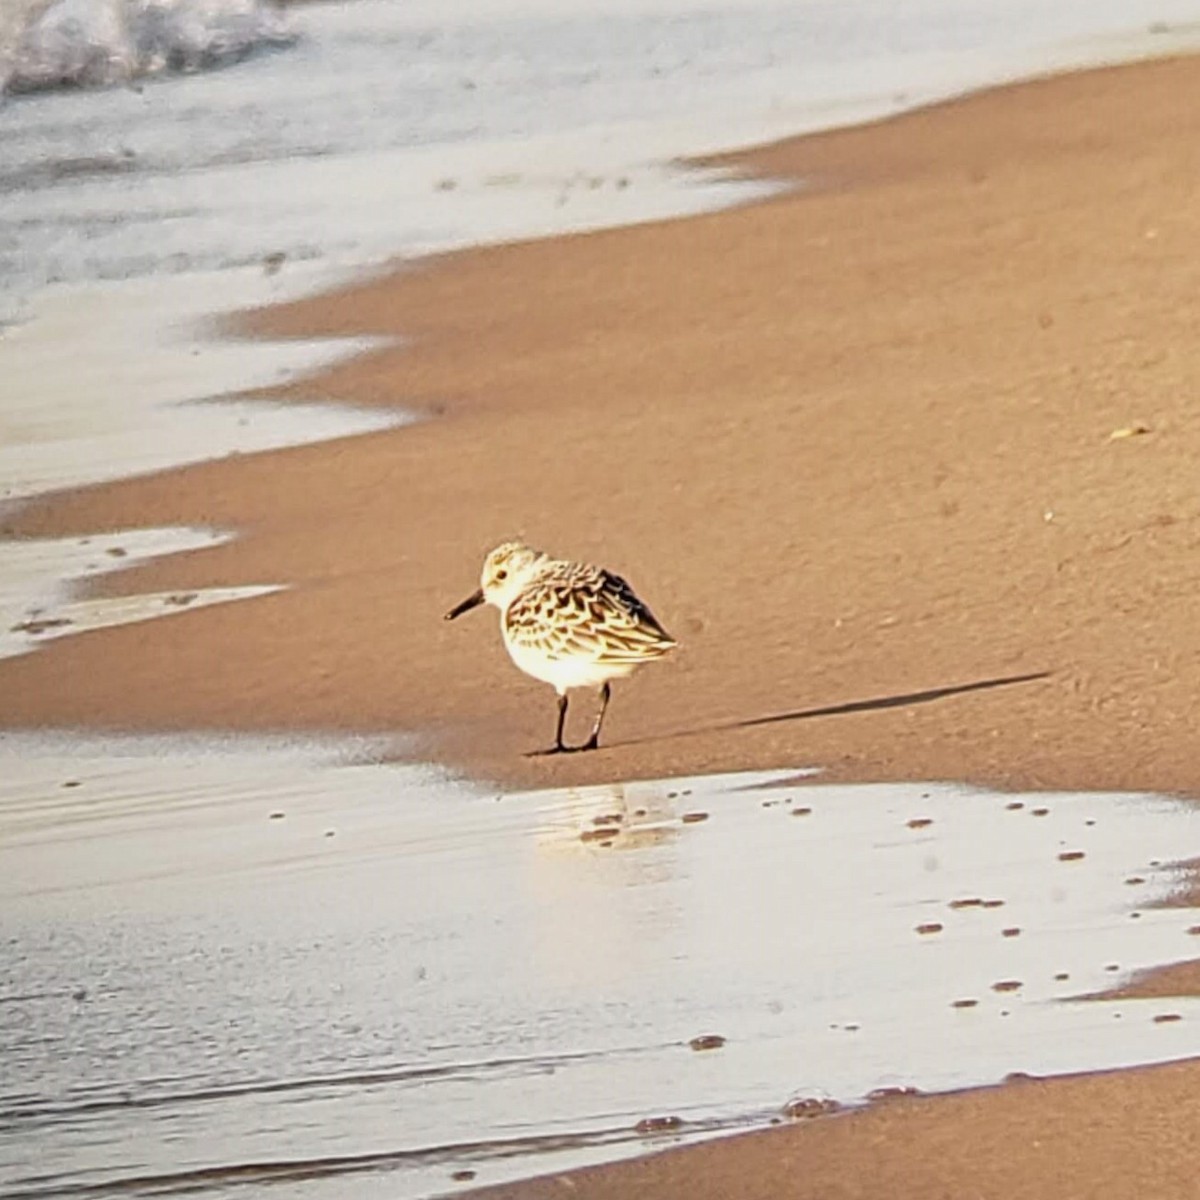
137, 394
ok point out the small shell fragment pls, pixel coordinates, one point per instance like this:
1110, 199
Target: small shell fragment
1129, 431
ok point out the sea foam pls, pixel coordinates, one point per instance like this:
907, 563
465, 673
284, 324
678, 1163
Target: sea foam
98, 43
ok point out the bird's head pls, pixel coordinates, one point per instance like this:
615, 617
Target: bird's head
506, 571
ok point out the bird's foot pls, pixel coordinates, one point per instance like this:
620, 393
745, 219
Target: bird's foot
559, 749
593, 743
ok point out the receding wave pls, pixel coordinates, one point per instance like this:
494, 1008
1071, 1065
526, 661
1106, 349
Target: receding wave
13, 1115
293, 1170
99, 43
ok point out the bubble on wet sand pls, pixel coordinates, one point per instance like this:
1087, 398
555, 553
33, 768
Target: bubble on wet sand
652, 1125
805, 1108
898, 1091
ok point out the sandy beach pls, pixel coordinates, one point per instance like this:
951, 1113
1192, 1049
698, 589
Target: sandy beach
903, 458
860, 448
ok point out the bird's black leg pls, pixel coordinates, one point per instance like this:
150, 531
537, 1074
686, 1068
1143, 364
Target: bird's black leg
559, 747
594, 740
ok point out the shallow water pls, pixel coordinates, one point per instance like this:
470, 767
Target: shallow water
139, 390
234, 962
40, 578
396, 128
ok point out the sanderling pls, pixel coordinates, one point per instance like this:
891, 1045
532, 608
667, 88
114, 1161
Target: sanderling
568, 624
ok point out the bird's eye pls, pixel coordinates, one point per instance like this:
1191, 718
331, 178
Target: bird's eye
501, 576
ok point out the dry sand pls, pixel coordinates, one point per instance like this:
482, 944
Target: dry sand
858, 448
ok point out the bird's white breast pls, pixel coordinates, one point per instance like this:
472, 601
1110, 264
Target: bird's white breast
565, 672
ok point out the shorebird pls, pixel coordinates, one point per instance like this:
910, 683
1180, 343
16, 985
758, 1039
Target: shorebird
568, 624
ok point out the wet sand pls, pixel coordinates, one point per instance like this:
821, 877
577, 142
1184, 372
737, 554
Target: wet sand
904, 459
1132, 1133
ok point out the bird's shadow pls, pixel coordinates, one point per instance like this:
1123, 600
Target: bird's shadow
872, 704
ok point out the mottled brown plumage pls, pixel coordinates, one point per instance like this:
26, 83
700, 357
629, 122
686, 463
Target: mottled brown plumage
569, 624
573, 610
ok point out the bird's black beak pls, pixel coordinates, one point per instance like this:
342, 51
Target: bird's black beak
472, 601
